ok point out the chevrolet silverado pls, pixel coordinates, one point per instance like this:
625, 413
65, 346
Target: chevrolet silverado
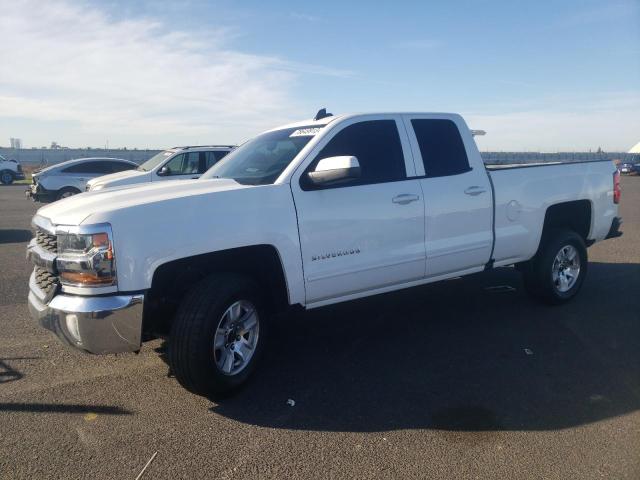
310, 214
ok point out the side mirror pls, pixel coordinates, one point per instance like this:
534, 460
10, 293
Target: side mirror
164, 171
334, 169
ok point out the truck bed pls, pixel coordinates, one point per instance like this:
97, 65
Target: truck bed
523, 192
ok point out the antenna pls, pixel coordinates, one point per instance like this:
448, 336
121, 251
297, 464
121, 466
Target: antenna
322, 113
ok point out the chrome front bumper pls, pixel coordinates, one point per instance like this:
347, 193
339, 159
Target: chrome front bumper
106, 324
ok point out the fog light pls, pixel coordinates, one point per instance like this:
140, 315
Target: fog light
72, 326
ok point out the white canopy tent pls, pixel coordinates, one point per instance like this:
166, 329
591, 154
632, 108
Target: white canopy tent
635, 149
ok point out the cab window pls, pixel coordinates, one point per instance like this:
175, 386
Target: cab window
441, 147
375, 143
183, 164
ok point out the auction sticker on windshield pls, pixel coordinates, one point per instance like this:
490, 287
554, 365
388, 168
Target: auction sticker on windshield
305, 132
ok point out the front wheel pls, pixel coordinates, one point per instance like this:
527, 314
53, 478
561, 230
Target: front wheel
6, 177
555, 275
217, 335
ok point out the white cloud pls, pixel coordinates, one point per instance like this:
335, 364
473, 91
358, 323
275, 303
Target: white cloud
136, 81
610, 121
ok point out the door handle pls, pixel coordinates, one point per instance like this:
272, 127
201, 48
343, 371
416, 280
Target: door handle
475, 190
405, 198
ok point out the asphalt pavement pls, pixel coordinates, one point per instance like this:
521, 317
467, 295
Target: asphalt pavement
467, 378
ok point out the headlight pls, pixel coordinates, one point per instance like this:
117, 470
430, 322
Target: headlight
86, 259
97, 186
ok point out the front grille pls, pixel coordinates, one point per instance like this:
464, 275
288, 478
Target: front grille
46, 240
46, 281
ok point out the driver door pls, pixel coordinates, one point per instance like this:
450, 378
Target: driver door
367, 233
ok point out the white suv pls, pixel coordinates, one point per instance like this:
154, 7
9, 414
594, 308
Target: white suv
69, 178
173, 164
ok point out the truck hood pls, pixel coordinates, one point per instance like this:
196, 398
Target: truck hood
78, 209
126, 177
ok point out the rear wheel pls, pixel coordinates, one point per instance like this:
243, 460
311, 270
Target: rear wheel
218, 334
555, 275
67, 192
6, 177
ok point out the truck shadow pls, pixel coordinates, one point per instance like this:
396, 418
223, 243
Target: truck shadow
14, 235
455, 356
74, 408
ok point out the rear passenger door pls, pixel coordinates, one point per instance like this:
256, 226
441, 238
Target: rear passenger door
458, 205
367, 233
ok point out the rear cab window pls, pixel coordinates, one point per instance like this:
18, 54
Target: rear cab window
441, 147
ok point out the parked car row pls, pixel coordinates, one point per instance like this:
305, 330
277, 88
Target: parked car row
174, 164
628, 168
75, 176
89, 174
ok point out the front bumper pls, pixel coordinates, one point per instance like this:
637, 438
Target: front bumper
39, 194
100, 325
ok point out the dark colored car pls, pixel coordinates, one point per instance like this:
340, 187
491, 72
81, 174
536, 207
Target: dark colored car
626, 168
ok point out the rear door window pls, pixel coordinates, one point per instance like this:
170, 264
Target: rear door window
441, 147
89, 167
121, 166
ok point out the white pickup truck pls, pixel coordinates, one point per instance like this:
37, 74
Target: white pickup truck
10, 170
310, 214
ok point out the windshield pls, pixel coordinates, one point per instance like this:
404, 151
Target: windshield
154, 161
261, 160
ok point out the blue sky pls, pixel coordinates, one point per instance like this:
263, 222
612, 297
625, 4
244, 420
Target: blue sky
540, 75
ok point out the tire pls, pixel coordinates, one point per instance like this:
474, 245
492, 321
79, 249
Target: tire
555, 275
200, 322
6, 177
67, 192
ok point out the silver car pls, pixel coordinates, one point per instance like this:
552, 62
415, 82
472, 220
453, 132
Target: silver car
174, 164
69, 178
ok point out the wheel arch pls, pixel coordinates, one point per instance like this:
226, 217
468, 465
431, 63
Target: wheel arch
575, 215
171, 281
